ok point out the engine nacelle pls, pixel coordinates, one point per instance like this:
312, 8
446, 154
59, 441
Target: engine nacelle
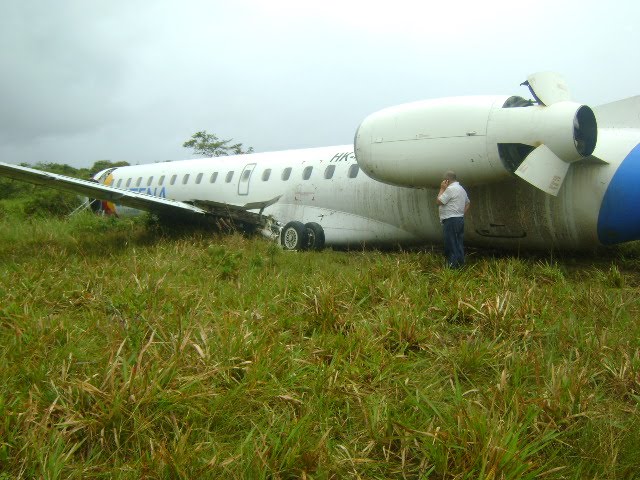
482, 139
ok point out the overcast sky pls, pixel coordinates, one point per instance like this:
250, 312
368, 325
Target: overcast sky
132, 80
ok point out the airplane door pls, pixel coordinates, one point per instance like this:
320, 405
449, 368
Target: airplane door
245, 178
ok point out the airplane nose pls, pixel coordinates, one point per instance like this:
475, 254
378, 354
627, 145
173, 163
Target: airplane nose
619, 217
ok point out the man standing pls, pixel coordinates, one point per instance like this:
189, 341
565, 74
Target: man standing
453, 203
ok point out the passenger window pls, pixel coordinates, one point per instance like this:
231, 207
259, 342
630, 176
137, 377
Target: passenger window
199, 178
266, 174
119, 183
306, 173
245, 175
328, 173
353, 171
229, 177
139, 181
185, 179
161, 180
213, 178
286, 173
128, 184
149, 181
173, 179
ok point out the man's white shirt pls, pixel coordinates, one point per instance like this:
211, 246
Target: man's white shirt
453, 200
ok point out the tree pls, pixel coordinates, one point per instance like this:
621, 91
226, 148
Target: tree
100, 165
209, 145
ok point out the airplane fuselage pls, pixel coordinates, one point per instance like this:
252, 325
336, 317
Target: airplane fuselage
540, 175
326, 186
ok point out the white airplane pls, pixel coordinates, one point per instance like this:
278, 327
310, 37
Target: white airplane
540, 174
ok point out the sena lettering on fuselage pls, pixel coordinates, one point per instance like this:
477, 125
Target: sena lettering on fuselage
155, 191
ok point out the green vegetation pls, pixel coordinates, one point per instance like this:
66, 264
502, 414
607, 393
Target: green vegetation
209, 145
131, 355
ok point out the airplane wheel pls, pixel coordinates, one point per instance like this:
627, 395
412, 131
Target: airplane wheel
294, 236
315, 236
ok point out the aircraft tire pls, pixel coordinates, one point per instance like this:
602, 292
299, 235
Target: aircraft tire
294, 236
315, 236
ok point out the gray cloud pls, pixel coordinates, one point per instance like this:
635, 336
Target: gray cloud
131, 80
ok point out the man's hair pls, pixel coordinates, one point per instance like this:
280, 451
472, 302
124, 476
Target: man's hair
450, 175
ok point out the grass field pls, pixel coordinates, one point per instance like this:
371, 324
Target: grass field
128, 354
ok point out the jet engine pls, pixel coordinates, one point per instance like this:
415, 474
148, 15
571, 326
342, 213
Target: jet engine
482, 139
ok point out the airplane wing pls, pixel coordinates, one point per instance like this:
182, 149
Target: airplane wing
140, 201
193, 209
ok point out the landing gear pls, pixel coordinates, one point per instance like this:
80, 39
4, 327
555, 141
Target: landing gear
294, 236
298, 236
315, 236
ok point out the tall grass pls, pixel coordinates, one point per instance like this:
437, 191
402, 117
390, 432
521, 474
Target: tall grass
130, 355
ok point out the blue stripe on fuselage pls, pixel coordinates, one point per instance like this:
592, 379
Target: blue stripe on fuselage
619, 217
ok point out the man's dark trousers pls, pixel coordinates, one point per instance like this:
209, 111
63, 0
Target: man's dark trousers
453, 229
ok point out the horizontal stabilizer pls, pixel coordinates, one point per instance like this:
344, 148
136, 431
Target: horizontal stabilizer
543, 169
